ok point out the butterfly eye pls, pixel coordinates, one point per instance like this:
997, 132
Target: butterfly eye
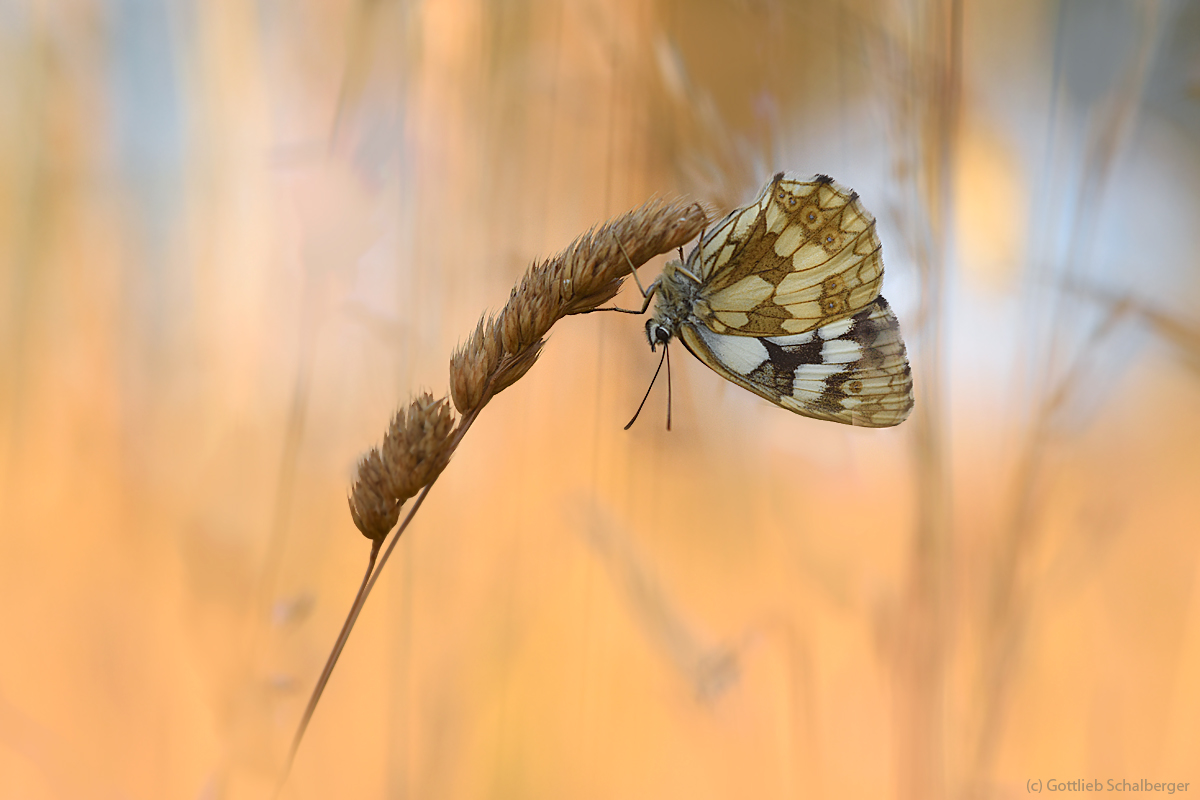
834, 285
656, 333
832, 305
852, 387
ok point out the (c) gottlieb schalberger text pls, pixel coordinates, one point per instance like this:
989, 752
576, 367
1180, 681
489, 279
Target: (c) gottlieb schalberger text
1036, 786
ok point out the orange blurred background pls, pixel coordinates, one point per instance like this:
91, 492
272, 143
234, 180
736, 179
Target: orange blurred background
234, 237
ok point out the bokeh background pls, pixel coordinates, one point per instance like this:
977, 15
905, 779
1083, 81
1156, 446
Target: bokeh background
235, 236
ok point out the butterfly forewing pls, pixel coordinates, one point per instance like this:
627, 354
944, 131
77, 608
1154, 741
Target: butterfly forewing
803, 254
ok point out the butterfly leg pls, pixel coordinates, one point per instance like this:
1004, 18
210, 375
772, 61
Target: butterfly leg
647, 293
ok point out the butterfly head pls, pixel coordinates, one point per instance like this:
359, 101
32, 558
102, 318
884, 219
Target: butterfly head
657, 333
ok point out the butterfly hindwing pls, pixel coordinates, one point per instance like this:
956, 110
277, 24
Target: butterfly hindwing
854, 371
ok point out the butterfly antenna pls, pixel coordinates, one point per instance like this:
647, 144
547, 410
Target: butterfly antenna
667, 357
651, 386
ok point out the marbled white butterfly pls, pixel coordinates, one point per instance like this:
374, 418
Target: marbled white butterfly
782, 298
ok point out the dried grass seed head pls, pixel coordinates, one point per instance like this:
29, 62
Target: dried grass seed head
416, 448
373, 506
472, 366
598, 262
514, 368
418, 445
584, 276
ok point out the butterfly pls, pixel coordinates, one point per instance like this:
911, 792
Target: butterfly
782, 298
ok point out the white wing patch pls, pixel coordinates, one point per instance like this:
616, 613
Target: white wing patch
835, 329
811, 381
811, 374
741, 354
792, 339
841, 351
